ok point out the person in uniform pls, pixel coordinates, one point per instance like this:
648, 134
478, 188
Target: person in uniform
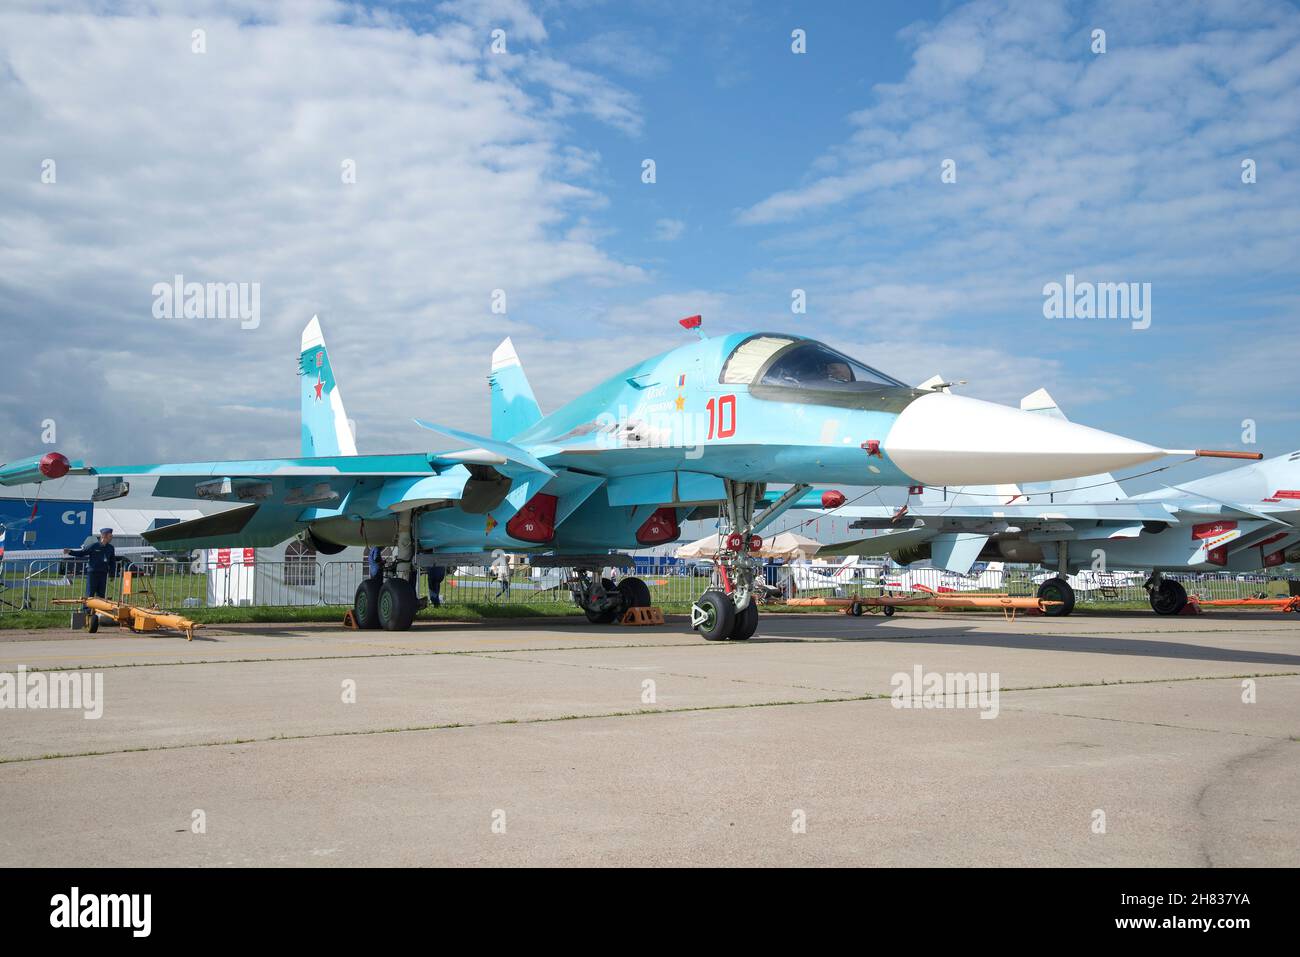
101, 561
436, 574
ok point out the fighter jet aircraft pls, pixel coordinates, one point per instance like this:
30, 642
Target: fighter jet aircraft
1241, 520
703, 428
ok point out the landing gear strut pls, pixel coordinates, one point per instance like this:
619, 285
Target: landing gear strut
732, 611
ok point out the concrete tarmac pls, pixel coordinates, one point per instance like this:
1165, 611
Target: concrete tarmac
1120, 740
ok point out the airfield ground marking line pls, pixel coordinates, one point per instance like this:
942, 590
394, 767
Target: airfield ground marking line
414, 648
670, 674
340, 657
646, 712
1153, 724
185, 661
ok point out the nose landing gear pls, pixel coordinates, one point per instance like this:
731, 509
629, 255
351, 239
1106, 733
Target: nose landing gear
731, 613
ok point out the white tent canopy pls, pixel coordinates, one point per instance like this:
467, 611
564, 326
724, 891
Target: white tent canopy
785, 545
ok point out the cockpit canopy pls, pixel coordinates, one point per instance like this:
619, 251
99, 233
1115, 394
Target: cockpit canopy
771, 362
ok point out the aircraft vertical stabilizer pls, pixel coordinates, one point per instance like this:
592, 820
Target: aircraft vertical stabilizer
514, 408
325, 428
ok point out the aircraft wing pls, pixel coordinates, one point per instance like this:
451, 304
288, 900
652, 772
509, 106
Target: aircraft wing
324, 466
884, 516
274, 498
879, 544
1282, 511
957, 533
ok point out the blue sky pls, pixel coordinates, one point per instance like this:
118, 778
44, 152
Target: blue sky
522, 171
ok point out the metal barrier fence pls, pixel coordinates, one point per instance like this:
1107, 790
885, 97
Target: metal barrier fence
292, 584
307, 583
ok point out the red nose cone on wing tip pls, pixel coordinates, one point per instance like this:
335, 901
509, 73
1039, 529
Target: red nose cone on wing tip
54, 465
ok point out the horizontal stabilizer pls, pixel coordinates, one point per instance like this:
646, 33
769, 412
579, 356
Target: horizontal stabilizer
507, 450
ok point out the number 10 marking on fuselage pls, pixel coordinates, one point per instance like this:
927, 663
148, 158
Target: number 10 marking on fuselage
722, 417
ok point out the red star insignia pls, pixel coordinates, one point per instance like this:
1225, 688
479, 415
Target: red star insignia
319, 386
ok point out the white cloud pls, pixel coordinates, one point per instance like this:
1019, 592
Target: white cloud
632, 53
514, 16
831, 190
667, 230
228, 166
662, 312
1119, 167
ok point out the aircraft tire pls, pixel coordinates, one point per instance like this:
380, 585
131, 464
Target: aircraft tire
397, 604
856, 609
635, 593
365, 604
1057, 589
1169, 599
718, 614
745, 622
607, 616
889, 610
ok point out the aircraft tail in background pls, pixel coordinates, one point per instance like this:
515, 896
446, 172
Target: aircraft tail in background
325, 427
514, 407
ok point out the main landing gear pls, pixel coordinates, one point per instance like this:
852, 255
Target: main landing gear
602, 601
389, 601
1167, 597
731, 612
1057, 589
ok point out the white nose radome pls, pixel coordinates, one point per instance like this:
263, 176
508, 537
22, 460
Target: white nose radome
945, 439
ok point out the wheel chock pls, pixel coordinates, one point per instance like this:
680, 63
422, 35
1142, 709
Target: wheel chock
1193, 607
644, 615
350, 621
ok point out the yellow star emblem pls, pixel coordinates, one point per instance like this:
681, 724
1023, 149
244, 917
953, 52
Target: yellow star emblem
681, 403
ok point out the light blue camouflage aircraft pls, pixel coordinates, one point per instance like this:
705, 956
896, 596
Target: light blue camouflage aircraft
699, 431
1242, 520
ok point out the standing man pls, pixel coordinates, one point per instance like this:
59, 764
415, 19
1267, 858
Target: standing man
503, 577
436, 574
101, 561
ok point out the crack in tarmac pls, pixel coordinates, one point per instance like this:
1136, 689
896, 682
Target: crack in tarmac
641, 713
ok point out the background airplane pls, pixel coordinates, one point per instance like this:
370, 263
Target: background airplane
700, 429
945, 582
1241, 520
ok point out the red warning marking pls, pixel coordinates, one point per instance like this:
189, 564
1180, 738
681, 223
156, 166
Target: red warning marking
1211, 529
